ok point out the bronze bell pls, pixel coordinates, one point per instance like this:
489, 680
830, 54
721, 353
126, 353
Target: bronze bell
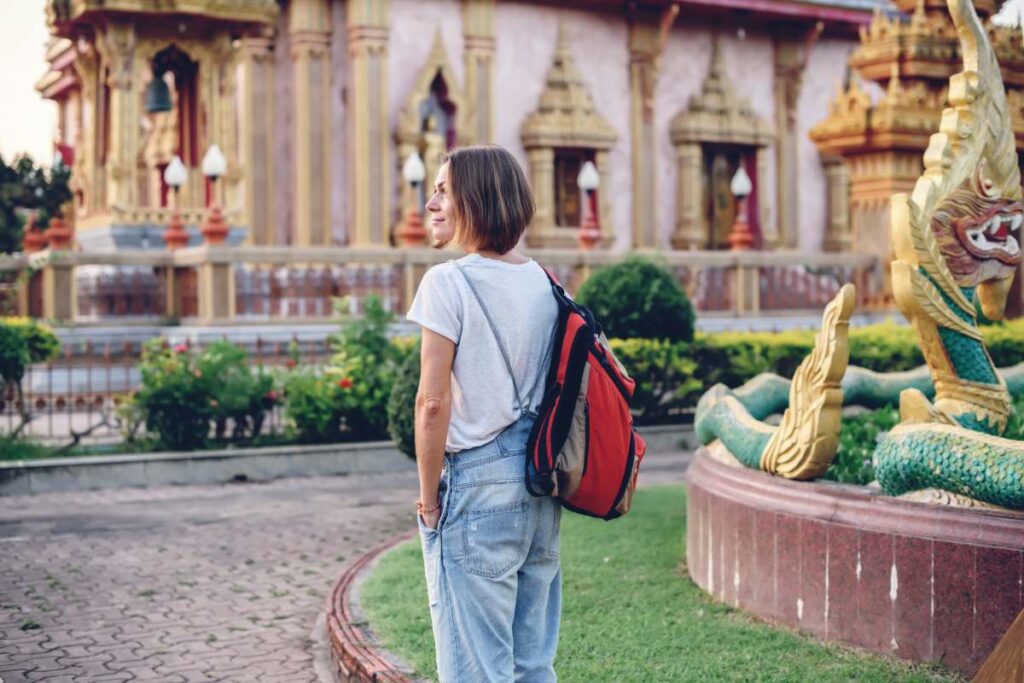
158, 96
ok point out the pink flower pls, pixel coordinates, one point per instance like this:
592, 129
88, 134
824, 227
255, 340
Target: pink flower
270, 395
181, 348
345, 383
197, 373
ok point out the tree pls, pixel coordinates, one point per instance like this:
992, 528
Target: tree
11, 193
27, 187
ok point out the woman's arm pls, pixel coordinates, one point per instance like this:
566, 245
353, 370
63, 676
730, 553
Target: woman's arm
433, 412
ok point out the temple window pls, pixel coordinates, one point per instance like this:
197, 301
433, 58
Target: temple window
715, 135
559, 136
433, 121
568, 202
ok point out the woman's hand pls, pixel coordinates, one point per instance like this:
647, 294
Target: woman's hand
431, 518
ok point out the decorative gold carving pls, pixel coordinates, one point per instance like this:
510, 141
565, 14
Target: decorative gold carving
806, 440
971, 174
565, 117
716, 115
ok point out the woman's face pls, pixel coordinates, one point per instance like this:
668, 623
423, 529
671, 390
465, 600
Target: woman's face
441, 209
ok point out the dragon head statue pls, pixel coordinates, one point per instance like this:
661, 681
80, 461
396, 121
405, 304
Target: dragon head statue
962, 223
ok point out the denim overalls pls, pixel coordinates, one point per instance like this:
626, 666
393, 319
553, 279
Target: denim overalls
492, 566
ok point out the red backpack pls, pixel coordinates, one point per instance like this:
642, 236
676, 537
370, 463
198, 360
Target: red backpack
583, 448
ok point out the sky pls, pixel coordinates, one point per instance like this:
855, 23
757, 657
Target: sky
28, 122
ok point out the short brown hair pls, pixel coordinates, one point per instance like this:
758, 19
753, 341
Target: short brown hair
492, 200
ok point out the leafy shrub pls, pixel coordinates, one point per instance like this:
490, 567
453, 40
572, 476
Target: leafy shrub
182, 393
1015, 425
237, 393
14, 355
173, 396
42, 343
858, 438
347, 399
638, 299
402, 402
665, 377
1005, 342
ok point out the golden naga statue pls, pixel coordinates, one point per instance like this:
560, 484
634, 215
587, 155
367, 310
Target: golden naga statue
956, 243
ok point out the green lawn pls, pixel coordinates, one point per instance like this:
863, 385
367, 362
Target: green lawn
631, 613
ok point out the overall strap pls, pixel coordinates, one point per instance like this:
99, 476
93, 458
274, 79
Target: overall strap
520, 404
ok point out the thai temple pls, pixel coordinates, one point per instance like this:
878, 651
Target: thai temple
319, 109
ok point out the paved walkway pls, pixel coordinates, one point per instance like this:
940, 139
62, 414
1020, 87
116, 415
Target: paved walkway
198, 583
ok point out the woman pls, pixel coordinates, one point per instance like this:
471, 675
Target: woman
490, 549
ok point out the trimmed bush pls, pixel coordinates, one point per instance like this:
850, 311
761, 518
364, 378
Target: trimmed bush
638, 299
665, 376
402, 402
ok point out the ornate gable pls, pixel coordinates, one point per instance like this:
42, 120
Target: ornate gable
565, 114
717, 115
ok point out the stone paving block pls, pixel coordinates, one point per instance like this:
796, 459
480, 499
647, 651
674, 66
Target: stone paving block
137, 581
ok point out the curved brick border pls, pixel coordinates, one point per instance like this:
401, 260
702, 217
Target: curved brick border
846, 563
354, 649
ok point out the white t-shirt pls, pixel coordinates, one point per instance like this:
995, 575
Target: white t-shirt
519, 300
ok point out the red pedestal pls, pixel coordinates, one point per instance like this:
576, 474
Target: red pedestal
33, 239
589, 234
58, 236
215, 229
175, 236
412, 232
740, 237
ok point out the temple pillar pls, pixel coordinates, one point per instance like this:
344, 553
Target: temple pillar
256, 152
838, 236
310, 40
59, 289
87, 141
542, 180
478, 36
370, 153
791, 54
690, 229
117, 46
647, 36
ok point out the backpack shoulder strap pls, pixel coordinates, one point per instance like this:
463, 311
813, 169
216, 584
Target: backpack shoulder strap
494, 330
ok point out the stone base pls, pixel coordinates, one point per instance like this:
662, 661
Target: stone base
141, 237
850, 564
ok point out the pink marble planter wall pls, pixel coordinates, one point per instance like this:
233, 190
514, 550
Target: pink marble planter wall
848, 564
